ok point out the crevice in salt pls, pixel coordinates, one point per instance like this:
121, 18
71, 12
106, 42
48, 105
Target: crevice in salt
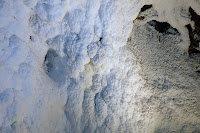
163, 27
54, 67
194, 34
146, 7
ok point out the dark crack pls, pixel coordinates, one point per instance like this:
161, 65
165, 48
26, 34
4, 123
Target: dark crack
194, 34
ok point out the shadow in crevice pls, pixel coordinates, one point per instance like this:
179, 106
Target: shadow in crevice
194, 34
163, 27
146, 7
53, 67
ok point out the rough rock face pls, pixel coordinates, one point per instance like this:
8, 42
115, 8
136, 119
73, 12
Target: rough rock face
170, 74
73, 66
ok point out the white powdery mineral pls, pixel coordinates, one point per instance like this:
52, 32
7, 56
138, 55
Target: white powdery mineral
66, 67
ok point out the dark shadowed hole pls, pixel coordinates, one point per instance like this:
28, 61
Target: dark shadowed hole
163, 27
145, 7
54, 67
49, 60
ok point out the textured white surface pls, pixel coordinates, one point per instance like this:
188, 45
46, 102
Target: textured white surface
66, 66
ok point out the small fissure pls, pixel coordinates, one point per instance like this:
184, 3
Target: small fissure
100, 39
31, 38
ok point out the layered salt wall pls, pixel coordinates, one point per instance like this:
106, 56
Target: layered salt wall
73, 66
